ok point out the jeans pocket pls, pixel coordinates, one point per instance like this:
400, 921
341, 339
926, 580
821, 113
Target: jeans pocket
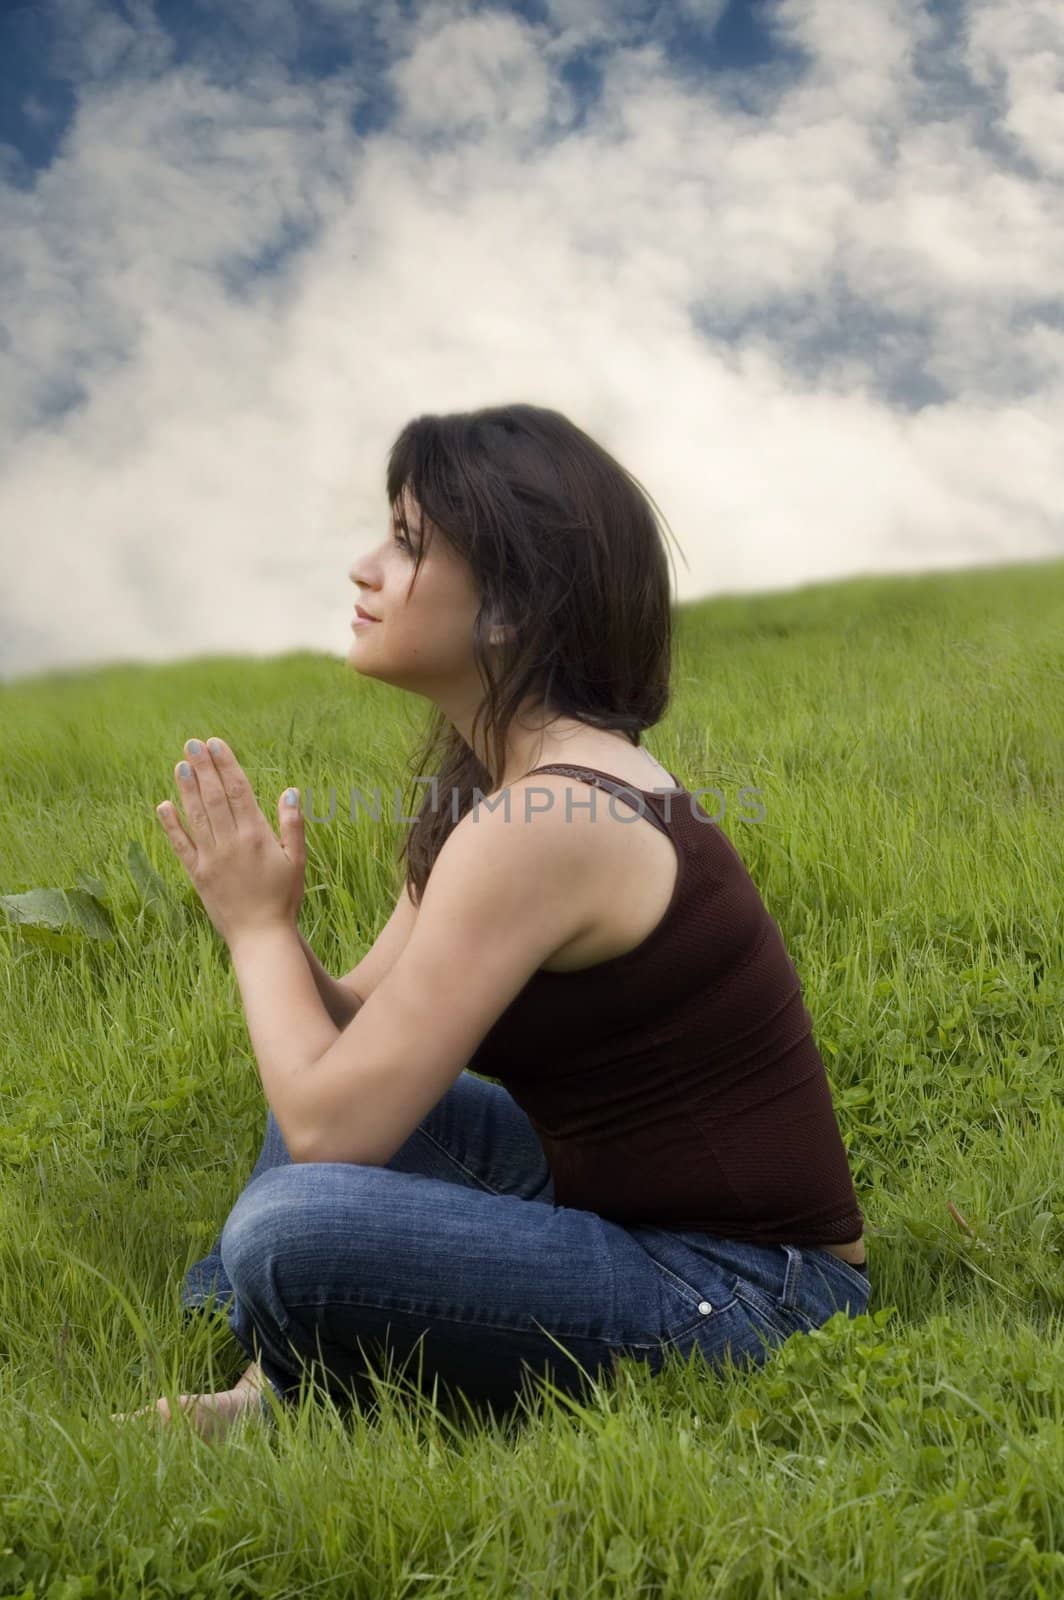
687, 1314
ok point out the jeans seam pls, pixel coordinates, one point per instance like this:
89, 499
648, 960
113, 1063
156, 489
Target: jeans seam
453, 1159
477, 1322
623, 1341
761, 1305
696, 1294
680, 1282
700, 1321
435, 1316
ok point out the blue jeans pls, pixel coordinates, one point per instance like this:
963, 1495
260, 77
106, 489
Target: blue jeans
457, 1244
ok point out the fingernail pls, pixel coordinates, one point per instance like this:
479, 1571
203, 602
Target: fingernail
291, 797
184, 770
214, 746
194, 747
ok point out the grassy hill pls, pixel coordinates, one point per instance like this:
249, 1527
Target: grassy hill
905, 737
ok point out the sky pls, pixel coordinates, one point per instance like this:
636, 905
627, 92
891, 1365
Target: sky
797, 264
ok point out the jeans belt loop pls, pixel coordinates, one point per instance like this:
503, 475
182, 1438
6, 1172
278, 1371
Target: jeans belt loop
792, 1276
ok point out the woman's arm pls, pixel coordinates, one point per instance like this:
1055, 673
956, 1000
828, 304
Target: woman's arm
340, 1002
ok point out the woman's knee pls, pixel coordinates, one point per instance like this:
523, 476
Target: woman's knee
256, 1227
285, 1218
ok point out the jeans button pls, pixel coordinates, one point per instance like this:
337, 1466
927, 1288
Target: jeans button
705, 1307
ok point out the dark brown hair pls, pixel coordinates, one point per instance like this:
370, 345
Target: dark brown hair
566, 551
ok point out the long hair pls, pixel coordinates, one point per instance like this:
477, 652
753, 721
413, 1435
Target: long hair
566, 552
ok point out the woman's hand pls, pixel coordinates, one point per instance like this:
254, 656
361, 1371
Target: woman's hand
246, 878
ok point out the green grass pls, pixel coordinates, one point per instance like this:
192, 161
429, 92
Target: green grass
907, 737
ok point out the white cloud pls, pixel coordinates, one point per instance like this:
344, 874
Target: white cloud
815, 309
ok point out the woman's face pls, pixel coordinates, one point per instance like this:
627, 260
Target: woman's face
422, 642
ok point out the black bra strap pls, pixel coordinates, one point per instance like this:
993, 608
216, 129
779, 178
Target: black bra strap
627, 791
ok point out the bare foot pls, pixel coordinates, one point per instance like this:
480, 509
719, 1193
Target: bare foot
212, 1415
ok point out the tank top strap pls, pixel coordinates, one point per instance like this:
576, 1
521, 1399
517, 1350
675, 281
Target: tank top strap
626, 791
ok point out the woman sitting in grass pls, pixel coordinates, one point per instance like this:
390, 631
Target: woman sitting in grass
568, 1108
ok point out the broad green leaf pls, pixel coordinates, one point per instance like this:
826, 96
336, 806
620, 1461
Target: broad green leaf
155, 895
59, 910
152, 888
91, 885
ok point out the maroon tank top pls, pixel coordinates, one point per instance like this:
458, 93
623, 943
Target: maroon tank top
679, 1084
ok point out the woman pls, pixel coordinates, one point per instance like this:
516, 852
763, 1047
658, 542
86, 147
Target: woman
641, 1156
